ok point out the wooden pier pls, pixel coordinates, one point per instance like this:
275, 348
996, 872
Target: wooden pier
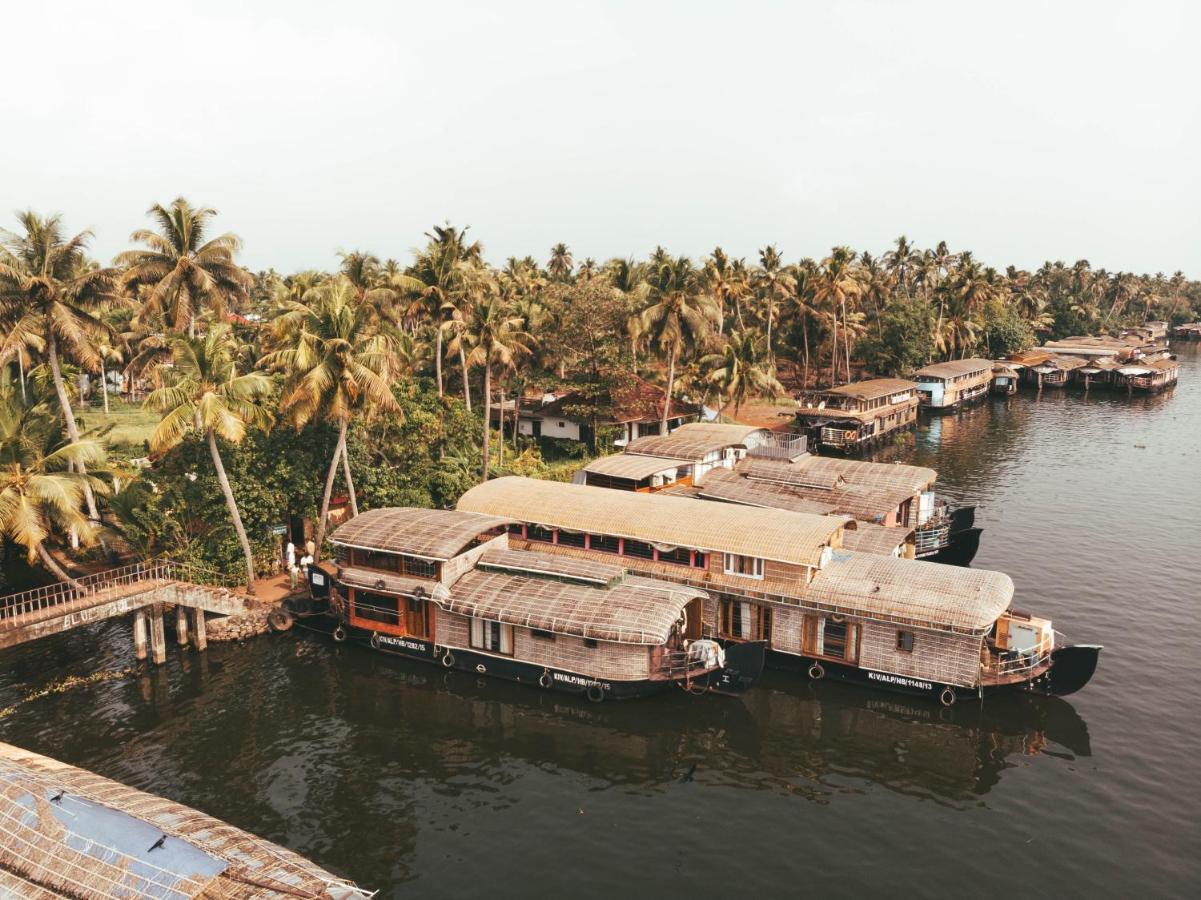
142, 590
67, 832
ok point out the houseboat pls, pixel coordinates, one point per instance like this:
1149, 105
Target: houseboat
852, 417
1147, 376
444, 587
1190, 331
896, 506
784, 578
1004, 380
683, 457
1043, 369
952, 385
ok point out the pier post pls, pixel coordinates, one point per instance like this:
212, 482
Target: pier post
158, 638
181, 625
202, 640
139, 635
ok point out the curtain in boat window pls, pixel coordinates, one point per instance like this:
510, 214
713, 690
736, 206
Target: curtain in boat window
495, 637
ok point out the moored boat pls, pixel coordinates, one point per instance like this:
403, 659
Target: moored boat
783, 578
952, 385
442, 586
853, 417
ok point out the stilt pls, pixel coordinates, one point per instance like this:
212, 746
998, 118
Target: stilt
139, 635
158, 639
181, 625
202, 640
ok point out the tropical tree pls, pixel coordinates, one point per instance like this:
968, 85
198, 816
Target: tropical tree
496, 340
678, 319
337, 365
180, 273
773, 285
204, 394
560, 263
442, 268
741, 370
50, 292
836, 283
42, 480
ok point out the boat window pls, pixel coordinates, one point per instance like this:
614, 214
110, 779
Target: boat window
604, 543
517, 529
745, 621
375, 608
571, 538
834, 639
905, 641
420, 568
680, 556
495, 637
373, 559
637, 548
700, 560
538, 533
542, 635
590, 643
745, 566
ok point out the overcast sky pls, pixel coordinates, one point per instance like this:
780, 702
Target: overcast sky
1021, 131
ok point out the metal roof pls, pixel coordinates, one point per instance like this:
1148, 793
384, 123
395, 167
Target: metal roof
428, 533
873, 388
852, 471
669, 521
955, 368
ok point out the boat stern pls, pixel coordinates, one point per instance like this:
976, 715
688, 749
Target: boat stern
743, 665
1072, 667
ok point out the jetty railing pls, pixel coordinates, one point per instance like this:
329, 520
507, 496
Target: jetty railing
88, 586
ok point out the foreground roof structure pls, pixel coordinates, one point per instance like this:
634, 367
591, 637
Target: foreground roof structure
437, 534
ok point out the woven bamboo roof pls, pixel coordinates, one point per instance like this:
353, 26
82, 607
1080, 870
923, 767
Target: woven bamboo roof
872, 389
1000, 368
730, 432
633, 611
1029, 357
871, 538
803, 470
906, 590
428, 533
66, 832
632, 466
722, 484
1062, 363
775, 534
388, 583
955, 368
864, 502
551, 564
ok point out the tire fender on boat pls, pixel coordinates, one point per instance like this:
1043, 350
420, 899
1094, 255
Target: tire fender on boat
448, 658
947, 697
595, 693
544, 680
339, 634
375, 640
816, 672
279, 620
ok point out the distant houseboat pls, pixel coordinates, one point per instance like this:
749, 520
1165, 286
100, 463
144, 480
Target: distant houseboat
853, 417
1042, 369
784, 578
1190, 331
443, 586
896, 506
1147, 376
1004, 380
951, 385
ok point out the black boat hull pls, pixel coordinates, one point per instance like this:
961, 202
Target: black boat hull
960, 550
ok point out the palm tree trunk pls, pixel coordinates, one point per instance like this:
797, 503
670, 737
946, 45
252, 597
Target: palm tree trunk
805, 336
104, 389
487, 413
466, 380
21, 374
833, 344
69, 417
354, 501
329, 488
671, 383
438, 356
771, 314
232, 505
846, 337
55, 569
500, 445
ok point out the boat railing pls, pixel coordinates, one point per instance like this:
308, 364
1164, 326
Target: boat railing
934, 535
678, 663
1016, 662
780, 446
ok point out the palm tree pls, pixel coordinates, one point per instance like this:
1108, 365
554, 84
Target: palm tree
678, 319
774, 284
441, 269
42, 479
836, 283
205, 394
561, 263
49, 290
337, 364
740, 370
497, 339
181, 272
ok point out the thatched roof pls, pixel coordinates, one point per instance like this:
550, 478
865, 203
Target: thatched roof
903, 590
955, 368
730, 432
872, 389
632, 611
66, 832
387, 583
864, 502
525, 562
654, 518
805, 469
631, 466
722, 484
437, 534
871, 538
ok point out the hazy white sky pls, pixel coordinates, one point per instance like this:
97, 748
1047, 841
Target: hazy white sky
1022, 131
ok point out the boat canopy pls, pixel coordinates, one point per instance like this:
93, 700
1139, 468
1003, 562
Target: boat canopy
437, 534
633, 466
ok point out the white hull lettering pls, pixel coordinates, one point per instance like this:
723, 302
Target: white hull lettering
580, 681
900, 680
389, 641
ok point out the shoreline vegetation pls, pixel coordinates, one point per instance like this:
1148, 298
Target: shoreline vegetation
173, 401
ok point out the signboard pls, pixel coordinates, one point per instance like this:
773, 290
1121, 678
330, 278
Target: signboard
279, 529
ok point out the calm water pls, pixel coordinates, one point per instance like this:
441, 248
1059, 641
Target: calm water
414, 781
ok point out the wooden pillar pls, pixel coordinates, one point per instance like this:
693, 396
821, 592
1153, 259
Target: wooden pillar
139, 635
158, 638
202, 640
181, 625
